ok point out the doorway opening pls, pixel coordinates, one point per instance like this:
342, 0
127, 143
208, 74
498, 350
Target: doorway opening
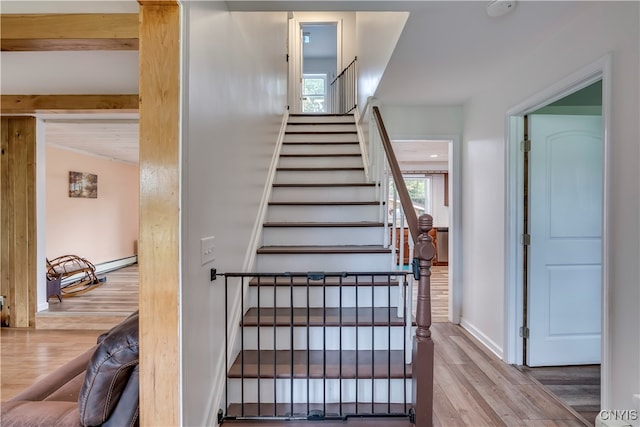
553, 303
429, 167
313, 64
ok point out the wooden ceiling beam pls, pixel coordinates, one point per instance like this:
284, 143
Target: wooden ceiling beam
49, 32
29, 104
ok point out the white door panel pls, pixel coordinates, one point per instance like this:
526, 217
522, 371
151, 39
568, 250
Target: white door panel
565, 224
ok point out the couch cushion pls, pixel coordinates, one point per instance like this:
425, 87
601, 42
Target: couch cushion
108, 372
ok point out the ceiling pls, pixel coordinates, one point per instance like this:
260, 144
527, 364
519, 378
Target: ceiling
446, 52
114, 139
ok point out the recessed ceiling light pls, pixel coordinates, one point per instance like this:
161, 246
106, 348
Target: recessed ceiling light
433, 156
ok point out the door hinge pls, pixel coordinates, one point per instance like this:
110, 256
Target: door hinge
287, 58
525, 239
524, 332
525, 146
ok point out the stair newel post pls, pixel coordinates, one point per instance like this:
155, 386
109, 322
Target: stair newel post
422, 361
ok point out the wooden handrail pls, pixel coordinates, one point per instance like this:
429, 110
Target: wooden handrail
401, 187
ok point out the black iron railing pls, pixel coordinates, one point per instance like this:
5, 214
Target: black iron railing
343, 90
317, 345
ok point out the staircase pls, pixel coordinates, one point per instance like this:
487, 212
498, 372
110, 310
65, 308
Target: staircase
323, 333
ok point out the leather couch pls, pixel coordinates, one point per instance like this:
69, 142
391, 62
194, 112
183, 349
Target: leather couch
98, 388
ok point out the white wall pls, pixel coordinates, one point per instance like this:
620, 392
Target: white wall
377, 34
421, 122
235, 100
440, 212
321, 66
602, 28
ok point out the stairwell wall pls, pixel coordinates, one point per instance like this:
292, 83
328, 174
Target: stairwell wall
235, 97
602, 28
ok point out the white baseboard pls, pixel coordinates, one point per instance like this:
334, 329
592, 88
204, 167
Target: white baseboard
480, 336
105, 267
43, 306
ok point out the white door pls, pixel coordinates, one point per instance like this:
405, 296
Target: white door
565, 224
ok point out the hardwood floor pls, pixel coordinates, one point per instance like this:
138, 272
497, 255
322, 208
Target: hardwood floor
439, 294
576, 386
98, 309
27, 355
472, 386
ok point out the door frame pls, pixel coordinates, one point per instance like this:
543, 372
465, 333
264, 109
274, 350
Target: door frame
294, 84
514, 129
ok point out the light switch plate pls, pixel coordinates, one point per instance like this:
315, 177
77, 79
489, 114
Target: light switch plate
207, 249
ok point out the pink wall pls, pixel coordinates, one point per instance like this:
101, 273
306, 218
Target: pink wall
102, 229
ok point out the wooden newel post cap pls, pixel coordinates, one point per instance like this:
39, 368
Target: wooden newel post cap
424, 248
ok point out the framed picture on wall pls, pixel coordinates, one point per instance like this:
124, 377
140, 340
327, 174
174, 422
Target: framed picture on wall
83, 185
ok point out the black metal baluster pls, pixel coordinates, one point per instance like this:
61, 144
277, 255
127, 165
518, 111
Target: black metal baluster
357, 343
308, 347
291, 339
324, 345
258, 331
373, 341
275, 336
389, 341
404, 347
226, 342
241, 348
340, 345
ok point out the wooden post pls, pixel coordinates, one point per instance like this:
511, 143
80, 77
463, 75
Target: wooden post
159, 241
422, 361
18, 256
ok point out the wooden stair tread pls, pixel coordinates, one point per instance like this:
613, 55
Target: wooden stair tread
370, 249
330, 409
371, 364
319, 123
327, 184
320, 143
382, 316
324, 224
312, 169
321, 132
322, 155
324, 203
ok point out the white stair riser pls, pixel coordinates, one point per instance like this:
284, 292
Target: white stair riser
276, 213
310, 177
329, 340
320, 194
320, 162
320, 149
320, 391
270, 263
326, 236
383, 296
314, 137
340, 127
322, 118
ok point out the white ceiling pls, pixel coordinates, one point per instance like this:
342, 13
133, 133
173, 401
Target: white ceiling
447, 51
115, 139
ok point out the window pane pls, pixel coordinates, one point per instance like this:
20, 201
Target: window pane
313, 87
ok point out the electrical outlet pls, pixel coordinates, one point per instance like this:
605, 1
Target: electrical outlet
207, 249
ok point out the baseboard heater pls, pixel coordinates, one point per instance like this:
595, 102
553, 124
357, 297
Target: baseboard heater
104, 267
